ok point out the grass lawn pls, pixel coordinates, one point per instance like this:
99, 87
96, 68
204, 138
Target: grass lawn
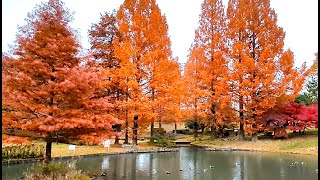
300, 144
60, 149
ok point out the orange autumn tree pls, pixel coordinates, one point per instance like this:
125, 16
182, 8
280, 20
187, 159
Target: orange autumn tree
163, 73
101, 36
144, 51
262, 73
210, 44
314, 67
195, 101
169, 93
47, 91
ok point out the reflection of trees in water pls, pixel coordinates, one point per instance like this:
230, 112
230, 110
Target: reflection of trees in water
151, 167
236, 169
105, 163
269, 166
261, 166
92, 164
154, 165
188, 162
143, 161
121, 166
134, 167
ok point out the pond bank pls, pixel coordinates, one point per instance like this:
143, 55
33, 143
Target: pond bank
307, 145
111, 151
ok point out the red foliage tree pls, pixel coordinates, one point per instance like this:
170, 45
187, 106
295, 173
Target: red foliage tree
293, 116
301, 117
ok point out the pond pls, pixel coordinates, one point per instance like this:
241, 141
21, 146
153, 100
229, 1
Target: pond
192, 164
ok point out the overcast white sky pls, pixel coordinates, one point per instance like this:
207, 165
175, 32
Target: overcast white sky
298, 18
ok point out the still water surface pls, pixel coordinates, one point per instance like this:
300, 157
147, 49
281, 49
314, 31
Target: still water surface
192, 164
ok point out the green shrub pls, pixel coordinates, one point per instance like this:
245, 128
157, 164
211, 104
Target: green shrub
162, 141
22, 151
159, 131
184, 131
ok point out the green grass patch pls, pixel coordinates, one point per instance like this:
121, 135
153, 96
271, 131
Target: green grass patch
208, 142
306, 132
311, 132
162, 141
297, 145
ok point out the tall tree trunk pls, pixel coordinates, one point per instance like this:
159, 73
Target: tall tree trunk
213, 123
116, 140
254, 134
196, 130
159, 123
254, 137
241, 114
175, 128
119, 126
152, 122
49, 136
152, 132
126, 136
48, 149
202, 131
241, 131
222, 132
135, 131
213, 132
196, 121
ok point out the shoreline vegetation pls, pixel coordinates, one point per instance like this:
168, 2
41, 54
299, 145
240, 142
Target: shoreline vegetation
295, 144
300, 144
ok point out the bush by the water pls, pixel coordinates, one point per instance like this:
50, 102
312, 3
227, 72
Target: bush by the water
59, 171
163, 141
22, 151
